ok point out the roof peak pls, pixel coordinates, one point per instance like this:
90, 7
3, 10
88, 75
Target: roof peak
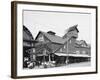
53, 38
73, 27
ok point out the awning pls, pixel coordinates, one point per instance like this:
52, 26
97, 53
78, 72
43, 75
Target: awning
72, 55
60, 54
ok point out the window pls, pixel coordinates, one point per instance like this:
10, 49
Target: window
33, 50
34, 57
83, 52
77, 52
41, 38
64, 47
70, 41
26, 44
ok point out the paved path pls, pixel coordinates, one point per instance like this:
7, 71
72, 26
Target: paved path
81, 64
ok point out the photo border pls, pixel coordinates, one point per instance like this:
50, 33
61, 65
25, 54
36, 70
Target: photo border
14, 37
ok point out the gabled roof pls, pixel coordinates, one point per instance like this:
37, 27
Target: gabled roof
27, 34
53, 38
81, 43
73, 28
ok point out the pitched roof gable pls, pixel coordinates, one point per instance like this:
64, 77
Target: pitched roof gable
81, 42
73, 28
53, 38
27, 35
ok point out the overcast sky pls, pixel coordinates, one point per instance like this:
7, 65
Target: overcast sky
58, 22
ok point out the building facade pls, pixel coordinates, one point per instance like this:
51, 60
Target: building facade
27, 47
49, 48
66, 49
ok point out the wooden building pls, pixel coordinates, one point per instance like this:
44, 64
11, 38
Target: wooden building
27, 46
62, 49
48, 43
75, 50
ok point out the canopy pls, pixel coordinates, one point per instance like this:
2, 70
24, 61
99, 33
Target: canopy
72, 55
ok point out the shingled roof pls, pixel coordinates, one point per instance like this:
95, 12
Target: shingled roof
27, 35
73, 28
81, 43
53, 38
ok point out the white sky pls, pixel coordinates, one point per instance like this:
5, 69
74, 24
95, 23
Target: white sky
58, 22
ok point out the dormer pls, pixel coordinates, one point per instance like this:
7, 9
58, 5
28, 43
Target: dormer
51, 32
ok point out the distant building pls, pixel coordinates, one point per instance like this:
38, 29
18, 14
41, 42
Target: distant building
27, 46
